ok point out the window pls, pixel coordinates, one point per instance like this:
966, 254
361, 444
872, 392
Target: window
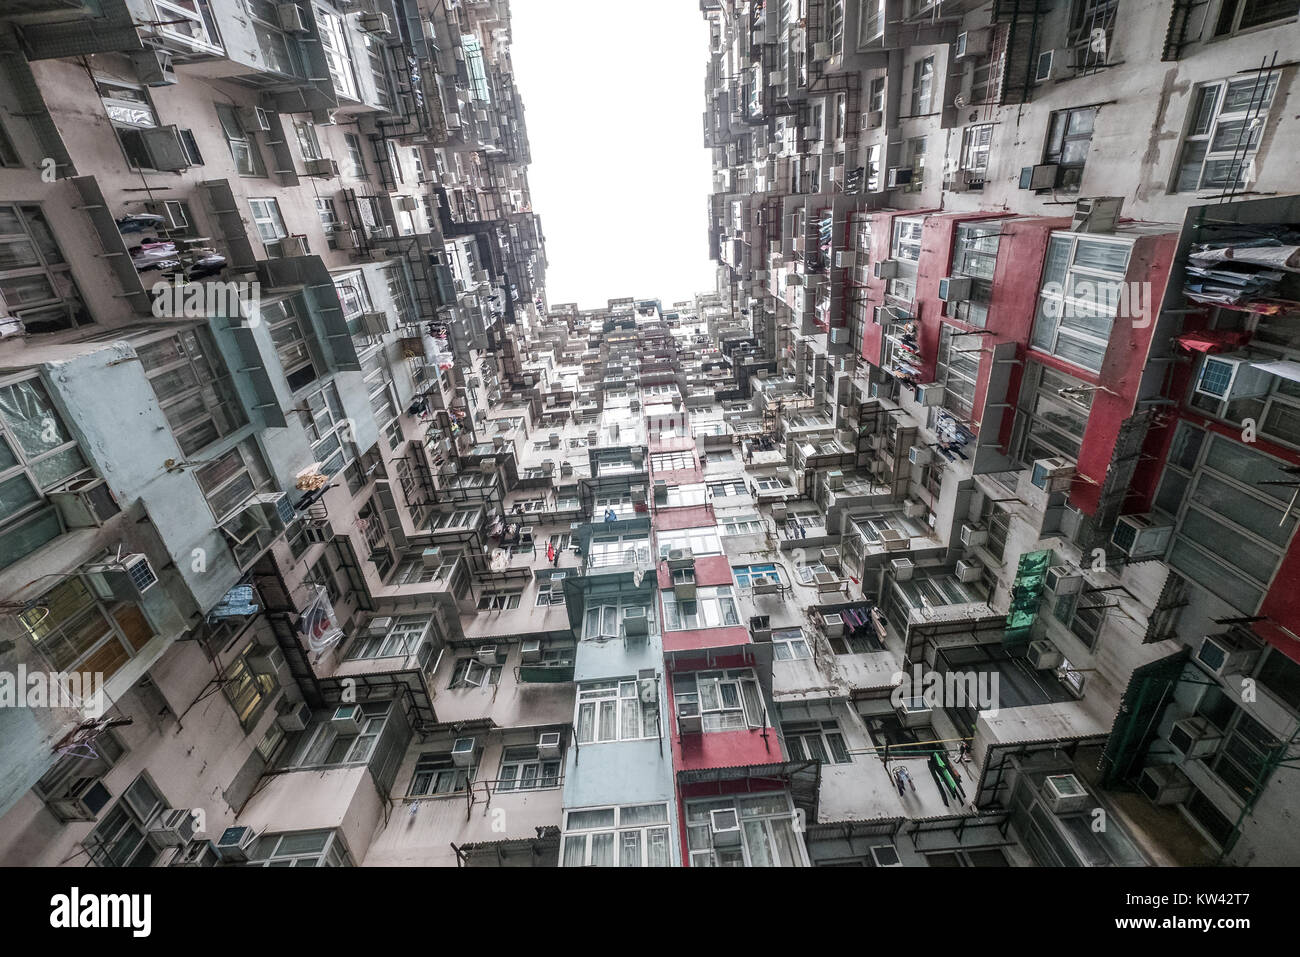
403, 640
301, 849
472, 673
338, 57
916, 161
193, 388
248, 691
247, 155
37, 453
817, 741
229, 480
1223, 134
683, 495
1232, 528
121, 838
75, 773
1238, 15
270, 225
975, 255
327, 428
378, 69
727, 700
308, 144
131, 113
701, 541
606, 617
789, 644
499, 600
356, 165
329, 220
767, 829
634, 836
614, 711
550, 588
1083, 614
36, 283
1069, 136
740, 523
1052, 416
712, 607
437, 773
324, 746
727, 488
523, 770
958, 370
289, 333
975, 143
672, 461
74, 630
922, 86
279, 52
745, 574
1079, 298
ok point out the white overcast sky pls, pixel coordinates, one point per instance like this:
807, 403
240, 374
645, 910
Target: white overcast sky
613, 97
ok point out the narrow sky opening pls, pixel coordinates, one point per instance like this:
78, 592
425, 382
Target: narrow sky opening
620, 177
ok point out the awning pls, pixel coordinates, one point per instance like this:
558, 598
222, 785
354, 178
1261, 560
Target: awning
1211, 340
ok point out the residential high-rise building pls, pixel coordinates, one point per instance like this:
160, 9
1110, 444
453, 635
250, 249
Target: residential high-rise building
959, 512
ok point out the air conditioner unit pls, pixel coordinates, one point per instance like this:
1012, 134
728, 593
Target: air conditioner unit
295, 720
381, 232
318, 533
172, 827
322, 167
272, 662
845, 258
82, 801
1096, 214
873, 119
293, 246
1065, 794
153, 67
913, 508
684, 583
1224, 655
487, 654
689, 720
1137, 536
123, 579
374, 23
919, 455
1195, 737
1063, 580
885, 268
1165, 784
1041, 176
233, 845
898, 176
379, 627
765, 585
894, 540
635, 622
1043, 655
1225, 377
1052, 475
254, 119
776, 77
346, 719
972, 43
724, 826
913, 712
680, 558
954, 288
968, 570
548, 745
830, 557
1052, 65
972, 535
835, 479
530, 650
463, 752
902, 568
84, 503
930, 394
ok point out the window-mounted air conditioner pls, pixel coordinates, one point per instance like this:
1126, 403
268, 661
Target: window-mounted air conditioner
969, 570
379, 627
902, 568
898, 176
1225, 377
1165, 784
172, 827
1065, 794
972, 43
296, 719
724, 827
835, 479
82, 801
487, 655
972, 535
845, 258
895, 540
1041, 176
930, 394
635, 622
234, 844
318, 532
291, 246
913, 509
154, 67
271, 662
375, 24
463, 752
919, 455
689, 719
885, 268
291, 18
254, 119
1052, 65
431, 558
913, 712
84, 503
1195, 737
324, 166
530, 650
123, 579
955, 288
1052, 475
1223, 655
1043, 655
548, 745
1138, 536
346, 719
1063, 580
765, 585
873, 119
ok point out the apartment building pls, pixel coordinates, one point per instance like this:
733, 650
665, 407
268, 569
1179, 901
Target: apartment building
957, 518
1027, 409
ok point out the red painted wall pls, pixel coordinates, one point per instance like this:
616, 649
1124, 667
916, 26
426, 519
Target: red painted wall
698, 639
